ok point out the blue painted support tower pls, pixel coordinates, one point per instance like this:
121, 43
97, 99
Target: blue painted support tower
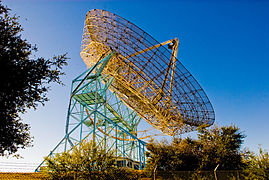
96, 113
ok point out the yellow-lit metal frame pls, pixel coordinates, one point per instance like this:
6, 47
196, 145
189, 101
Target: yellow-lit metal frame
171, 101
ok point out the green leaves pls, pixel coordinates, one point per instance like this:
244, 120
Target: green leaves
217, 145
24, 82
221, 145
85, 159
179, 155
257, 165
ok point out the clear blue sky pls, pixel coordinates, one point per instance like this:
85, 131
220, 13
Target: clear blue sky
224, 44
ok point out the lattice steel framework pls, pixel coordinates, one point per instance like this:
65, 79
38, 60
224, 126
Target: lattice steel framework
95, 113
131, 76
148, 77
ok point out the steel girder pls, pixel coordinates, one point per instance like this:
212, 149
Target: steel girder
96, 113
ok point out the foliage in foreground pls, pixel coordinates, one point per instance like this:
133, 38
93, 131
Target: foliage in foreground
86, 161
182, 159
221, 146
24, 82
218, 146
257, 165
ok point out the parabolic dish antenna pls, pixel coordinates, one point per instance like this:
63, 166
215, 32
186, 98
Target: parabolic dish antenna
130, 77
148, 78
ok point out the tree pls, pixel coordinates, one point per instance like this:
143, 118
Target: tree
86, 160
24, 82
217, 146
221, 146
180, 155
257, 165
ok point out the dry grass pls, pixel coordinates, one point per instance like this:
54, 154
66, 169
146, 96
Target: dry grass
27, 176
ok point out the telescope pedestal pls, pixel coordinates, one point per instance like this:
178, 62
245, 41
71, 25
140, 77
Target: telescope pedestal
95, 113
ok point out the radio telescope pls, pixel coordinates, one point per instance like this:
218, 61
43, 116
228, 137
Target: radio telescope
130, 77
148, 77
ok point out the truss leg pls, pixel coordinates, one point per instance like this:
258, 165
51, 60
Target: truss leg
95, 113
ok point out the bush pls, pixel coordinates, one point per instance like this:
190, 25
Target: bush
257, 165
86, 161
